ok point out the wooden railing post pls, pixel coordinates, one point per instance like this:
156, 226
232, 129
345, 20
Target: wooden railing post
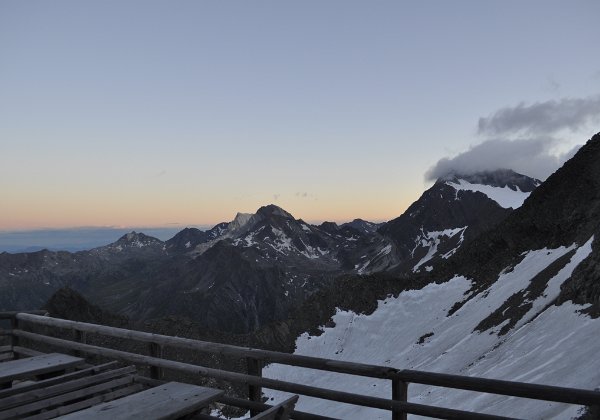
80, 337
254, 391
14, 340
399, 393
156, 350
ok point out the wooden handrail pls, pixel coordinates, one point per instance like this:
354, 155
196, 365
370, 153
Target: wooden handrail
328, 394
398, 405
494, 386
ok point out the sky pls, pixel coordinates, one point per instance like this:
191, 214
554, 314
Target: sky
172, 114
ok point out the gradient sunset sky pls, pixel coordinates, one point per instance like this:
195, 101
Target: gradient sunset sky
162, 113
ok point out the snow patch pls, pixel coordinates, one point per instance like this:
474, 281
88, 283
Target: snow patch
560, 337
432, 240
504, 196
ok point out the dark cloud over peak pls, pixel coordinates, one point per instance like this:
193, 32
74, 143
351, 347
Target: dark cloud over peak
526, 156
542, 118
524, 138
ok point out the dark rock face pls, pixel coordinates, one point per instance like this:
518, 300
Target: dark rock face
432, 220
562, 211
363, 226
584, 285
565, 209
186, 240
499, 178
66, 303
250, 272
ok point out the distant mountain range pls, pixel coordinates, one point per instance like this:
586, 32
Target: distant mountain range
519, 301
241, 275
492, 274
70, 239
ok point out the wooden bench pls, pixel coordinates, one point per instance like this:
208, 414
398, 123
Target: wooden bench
169, 401
37, 366
68, 393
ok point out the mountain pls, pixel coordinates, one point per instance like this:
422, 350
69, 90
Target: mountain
519, 302
363, 226
242, 275
456, 209
132, 244
186, 239
253, 273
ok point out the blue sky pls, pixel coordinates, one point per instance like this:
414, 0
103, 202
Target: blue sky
147, 113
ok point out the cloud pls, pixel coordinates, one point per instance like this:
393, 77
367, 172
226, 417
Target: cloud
530, 156
524, 138
542, 118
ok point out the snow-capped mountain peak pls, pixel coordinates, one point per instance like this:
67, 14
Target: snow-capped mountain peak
452, 212
506, 187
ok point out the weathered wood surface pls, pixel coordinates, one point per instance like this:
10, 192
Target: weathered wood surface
89, 402
47, 363
168, 401
65, 399
328, 394
24, 387
49, 391
494, 386
280, 411
399, 393
361, 369
12, 314
24, 351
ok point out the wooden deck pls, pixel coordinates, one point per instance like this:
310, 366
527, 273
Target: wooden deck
56, 385
38, 367
169, 401
89, 386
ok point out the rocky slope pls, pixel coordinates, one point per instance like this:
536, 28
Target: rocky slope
455, 210
519, 302
244, 274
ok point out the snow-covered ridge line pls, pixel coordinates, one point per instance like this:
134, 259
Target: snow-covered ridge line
504, 196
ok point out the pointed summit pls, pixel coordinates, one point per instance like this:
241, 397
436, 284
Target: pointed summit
138, 239
272, 210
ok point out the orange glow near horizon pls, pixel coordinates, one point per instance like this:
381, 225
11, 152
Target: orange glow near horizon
50, 210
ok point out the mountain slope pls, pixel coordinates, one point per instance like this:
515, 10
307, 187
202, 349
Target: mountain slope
452, 212
518, 303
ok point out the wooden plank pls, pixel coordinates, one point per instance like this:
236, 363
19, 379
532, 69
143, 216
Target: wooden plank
12, 314
328, 394
5, 349
254, 368
384, 372
399, 393
6, 356
168, 401
56, 380
50, 391
64, 398
516, 389
80, 405
278, 412
24, 351
31, 366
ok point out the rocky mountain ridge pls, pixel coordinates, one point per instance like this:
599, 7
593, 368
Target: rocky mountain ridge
244, 274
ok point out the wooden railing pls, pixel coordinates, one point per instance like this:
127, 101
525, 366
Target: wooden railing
256, 359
